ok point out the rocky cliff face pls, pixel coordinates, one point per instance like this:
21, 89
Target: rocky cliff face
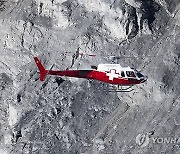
63, 115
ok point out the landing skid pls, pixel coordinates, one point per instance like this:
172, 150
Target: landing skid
118, 88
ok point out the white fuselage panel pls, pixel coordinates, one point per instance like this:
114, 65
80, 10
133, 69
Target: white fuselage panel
108, 67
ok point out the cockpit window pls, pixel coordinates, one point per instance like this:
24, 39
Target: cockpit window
122, 74
139, 75
130, 74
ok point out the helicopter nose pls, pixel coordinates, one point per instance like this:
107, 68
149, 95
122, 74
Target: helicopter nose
144, 79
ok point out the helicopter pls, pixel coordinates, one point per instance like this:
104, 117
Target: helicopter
123, 78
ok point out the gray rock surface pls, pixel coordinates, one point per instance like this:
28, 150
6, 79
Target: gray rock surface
75, 116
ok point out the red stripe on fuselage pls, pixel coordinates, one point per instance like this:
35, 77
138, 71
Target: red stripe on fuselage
96, 75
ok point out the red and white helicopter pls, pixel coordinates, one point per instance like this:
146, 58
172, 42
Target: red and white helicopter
113, 74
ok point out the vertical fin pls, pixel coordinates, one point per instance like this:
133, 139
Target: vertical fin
42, 70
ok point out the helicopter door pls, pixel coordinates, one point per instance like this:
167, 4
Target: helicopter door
122, 74
131, 76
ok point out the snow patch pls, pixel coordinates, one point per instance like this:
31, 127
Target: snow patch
157, 95
146, 29
7, 138
60, 20
12, 64
101, 7
99, 143
3, 151
115, 28
12, 115
133, 3
110, 15
54, 10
